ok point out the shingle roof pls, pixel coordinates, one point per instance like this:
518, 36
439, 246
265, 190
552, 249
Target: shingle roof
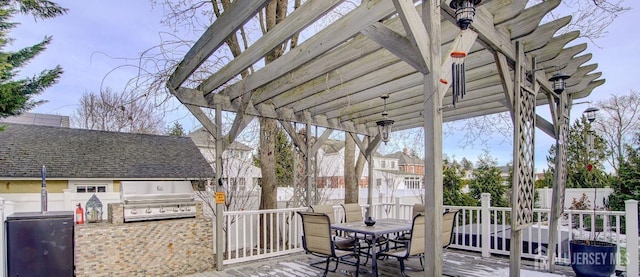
79, 153
405, 159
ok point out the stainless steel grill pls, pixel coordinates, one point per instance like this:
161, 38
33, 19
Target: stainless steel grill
153, 200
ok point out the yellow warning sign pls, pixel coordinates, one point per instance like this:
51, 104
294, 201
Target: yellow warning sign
220, 197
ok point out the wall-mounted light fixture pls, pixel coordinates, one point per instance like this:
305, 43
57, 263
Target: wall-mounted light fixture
384, 125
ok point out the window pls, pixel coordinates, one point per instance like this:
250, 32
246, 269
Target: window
82, 188
393, 164
91, 186
236, 184
412, 182
382, 164
379, 183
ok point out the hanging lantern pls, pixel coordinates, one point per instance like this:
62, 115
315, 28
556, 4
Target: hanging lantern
465, 11
559, 81
384, 125
94, 209
458, 82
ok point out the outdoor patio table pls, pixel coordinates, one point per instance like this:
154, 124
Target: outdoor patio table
382, 227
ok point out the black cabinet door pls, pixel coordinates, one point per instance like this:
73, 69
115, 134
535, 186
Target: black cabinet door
40, 247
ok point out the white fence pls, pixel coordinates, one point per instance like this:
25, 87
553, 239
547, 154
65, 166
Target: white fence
601, 195
67, 201
472, 233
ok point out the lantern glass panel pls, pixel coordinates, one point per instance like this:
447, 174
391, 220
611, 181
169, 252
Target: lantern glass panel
559, 85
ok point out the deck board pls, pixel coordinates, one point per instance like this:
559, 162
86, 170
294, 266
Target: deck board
456, 263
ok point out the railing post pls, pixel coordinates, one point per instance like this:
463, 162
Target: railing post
380, 209
485, 220
397, 207
631, 217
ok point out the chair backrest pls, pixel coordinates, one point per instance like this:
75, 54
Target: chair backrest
416, 244
418, 209
316, 233
325, 209
448, 220
352, 212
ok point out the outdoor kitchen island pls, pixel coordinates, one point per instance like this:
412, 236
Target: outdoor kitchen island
169, 246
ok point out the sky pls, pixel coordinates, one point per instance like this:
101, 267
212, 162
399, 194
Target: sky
98, 41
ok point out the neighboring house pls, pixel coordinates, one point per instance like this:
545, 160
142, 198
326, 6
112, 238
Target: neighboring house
411, 166
238, 171
89, 161
388, 175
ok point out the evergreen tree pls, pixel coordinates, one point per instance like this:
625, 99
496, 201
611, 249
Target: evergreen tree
626, 185
176, 130
579, 158
487, 179
452, 184
16, 95
283, 157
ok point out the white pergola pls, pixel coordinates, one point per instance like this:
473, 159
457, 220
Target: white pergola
335, 78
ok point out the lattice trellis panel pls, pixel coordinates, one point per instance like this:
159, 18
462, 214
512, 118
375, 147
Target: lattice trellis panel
300, 180
523, 188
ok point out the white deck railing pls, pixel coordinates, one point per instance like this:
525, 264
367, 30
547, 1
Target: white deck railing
246, 240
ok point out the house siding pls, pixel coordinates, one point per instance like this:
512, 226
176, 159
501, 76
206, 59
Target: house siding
32, 186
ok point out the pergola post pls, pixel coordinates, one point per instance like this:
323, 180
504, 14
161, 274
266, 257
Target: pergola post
219, 188
522, 189
433, 144
560, 175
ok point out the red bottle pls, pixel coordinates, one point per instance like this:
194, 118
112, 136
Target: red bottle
79, 214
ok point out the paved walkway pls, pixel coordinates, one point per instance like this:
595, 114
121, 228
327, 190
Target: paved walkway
457, 263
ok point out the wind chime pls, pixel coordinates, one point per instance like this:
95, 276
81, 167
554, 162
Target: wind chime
458, 82
465, 11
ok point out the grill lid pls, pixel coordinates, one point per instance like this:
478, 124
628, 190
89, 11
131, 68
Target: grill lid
143, 192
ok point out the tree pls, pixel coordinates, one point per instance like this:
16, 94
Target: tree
176, 130
618, 120
284, 160
452, 185
579, 158
627, 183
16, 95
117, 112
487, 179
351, 194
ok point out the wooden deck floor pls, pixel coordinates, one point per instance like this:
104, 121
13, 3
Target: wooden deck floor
457, 263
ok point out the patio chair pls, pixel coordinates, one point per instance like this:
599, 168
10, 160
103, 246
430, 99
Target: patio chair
340, 242
415, 245
352, 212
403, 238
317, 240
